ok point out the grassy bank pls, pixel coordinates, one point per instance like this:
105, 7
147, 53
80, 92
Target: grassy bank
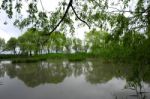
107, 56
27, 60
36, 58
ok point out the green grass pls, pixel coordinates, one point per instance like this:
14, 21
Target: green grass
27, 60
113, 55
36, 58
76, 57
8, 56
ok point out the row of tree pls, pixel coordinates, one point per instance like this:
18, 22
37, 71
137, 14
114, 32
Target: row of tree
34, 42
132, 44
55, 72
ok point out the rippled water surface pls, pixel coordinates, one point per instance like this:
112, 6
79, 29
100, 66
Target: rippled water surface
91, 79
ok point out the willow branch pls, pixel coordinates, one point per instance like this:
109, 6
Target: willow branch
42, 5
79, 17
69, 5
66, 12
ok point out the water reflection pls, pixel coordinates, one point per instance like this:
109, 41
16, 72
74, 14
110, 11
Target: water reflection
95, 73
136, 80
37, 73
34, 74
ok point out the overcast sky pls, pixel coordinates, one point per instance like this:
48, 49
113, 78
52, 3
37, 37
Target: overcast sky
9, 30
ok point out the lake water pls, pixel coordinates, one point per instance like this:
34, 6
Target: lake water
91, 79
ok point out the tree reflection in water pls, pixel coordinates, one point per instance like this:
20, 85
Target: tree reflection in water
94, 72
136, 79
34, 74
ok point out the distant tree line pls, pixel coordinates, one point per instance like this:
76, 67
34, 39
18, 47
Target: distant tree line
132, 45
32, 42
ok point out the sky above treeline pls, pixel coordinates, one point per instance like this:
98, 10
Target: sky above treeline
9, 30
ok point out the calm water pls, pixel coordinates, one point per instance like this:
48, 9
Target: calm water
81, 80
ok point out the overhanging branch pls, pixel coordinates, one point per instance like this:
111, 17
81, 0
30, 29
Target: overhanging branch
79, 17
42, 5
69, 5
66, 12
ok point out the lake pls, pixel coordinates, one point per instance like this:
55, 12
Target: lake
60, 79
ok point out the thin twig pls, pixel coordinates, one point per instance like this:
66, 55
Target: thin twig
42, 5
79, 17
69, 5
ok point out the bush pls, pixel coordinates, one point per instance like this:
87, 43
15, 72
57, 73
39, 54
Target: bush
76, 58
27, 60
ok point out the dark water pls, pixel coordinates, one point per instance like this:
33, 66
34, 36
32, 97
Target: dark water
81, 80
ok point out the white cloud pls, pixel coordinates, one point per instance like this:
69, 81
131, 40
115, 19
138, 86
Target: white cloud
7, 34
80, 32
48, 5
4, 35
7, 30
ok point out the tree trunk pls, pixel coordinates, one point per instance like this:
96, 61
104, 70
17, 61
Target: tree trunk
14, 51
30, 53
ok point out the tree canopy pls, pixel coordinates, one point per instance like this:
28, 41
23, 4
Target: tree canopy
118, 16
12, 44
2, 44
119, 29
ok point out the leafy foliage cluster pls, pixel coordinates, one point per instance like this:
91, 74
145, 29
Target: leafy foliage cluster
132, 46
32, 42
118, 16
124, 27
